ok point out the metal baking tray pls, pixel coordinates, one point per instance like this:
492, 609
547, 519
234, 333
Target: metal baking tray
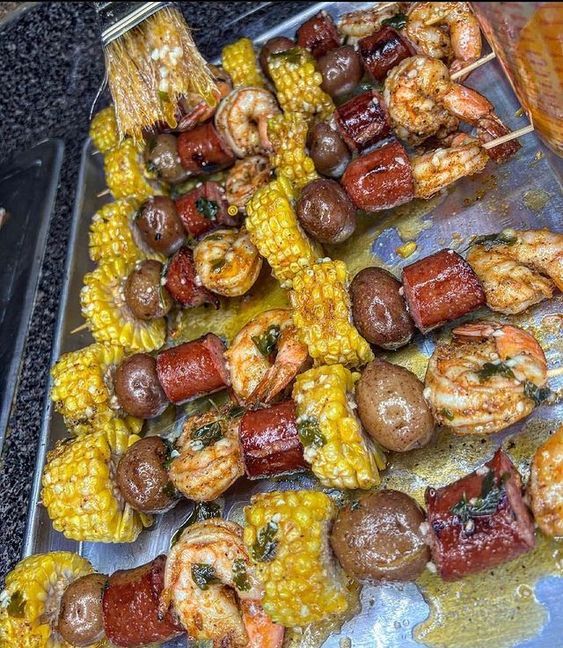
524, 193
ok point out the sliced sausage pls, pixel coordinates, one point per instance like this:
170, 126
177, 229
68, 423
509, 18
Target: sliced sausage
318, 34
270, 441
468, 533
203, 209
440, 288
363, 120
193, 369
381, 179
131, 607
180, 281
383, 50
202, 150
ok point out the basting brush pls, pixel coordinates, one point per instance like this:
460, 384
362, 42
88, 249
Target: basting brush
152, 63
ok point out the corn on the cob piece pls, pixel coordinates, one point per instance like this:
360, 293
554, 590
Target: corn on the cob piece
298, 84
103, 130
274, 230
125, 173
108, 316
80, 392
287, 134
29, 604
322, 314
111, 234
239, 61
79, 489
340, 454
287, 536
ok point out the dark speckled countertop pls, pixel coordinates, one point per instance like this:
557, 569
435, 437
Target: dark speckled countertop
51, 65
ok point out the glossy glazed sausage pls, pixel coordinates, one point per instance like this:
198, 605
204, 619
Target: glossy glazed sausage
363, 120
270, 442
131, 606
381, 179
203, 209
180, 281
466, 538
440, 288
383, 50
202, 150
318, 34
192, 369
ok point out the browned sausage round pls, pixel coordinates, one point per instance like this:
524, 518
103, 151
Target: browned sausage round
144, 294
273, 46
378, 538
318, 34
392, 408
341, 69
180, 279
383, 50
142, 477
81, 621
159, 225
325, 211
161, 157
137, 388
363, 120
328, 151
379, 310
202, 150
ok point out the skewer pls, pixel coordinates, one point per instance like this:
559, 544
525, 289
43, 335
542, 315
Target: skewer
82, 327
509, 136
105, 192
468, 68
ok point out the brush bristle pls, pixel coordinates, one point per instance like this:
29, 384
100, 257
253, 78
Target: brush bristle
150, 68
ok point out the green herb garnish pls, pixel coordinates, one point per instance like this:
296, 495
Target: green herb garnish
240, 575
163, 96
355, 505
266, 343
537, 394
235, 411
398, 21
217, 264
292, 55
206, 435
203, 575
482, 506
490, 369
207, 208
169, 490
446, 413
265, 547
16, 606
310, 433
506, 237
201, 511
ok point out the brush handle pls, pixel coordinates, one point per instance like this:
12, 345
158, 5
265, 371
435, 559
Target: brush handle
116, 18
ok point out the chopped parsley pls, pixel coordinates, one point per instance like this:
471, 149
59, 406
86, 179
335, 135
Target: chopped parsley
266, 343
484, 505
292, 55
490, 369
446, 413
201, 511
235, 411
398, 21
203, 575
16, 606
240, 575
207, 208
310, 433
265, 547
537, 394
506, 237
217, 264
206, 435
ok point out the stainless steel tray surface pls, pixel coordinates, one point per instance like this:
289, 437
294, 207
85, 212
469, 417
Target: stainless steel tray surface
524, 193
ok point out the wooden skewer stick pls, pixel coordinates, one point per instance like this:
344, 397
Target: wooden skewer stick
82, 327
553, 373
509, 136
468, 68
105, 192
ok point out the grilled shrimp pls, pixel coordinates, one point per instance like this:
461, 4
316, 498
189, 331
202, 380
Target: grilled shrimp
242, 120
194, 110
435, 170
460, 43
546, 485
210, 457
245, 177
208, 578
363, 22
488, 377
518, 268
265, 356
227, 262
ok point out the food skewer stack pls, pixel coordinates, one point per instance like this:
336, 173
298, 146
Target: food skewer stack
199, 211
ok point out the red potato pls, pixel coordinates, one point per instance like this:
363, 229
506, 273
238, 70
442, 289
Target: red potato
202, 150
363, 120
131, 607
381, 179
318, 34
270, 441
203, 209
180, 281
383, 50
440, 288
193, 369
468, 535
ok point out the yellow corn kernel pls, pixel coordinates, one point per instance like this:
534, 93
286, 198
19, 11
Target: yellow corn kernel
103, 130
340, 454
274, 230
302, 582
125, 173
287, 134
111, 234
322, 314
239, 61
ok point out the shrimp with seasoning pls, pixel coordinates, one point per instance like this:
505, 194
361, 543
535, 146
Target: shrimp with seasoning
194, 110
445, 30
487, 378
227, 262
245, 177
210, 456
435, 170
546, 485
265, 356
242, 120
518, 268
363, 22
213, 588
